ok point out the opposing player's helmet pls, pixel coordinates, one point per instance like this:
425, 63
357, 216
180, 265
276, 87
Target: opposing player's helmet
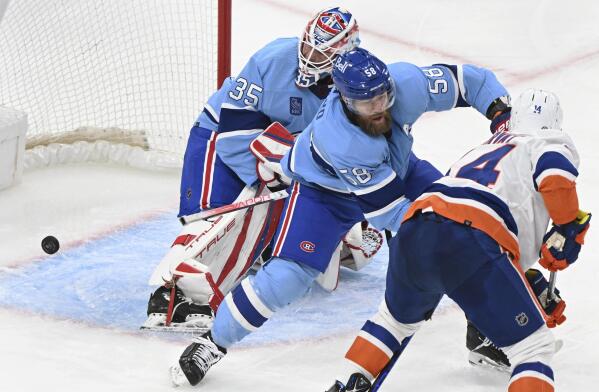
329, 33
364, 82
534, 110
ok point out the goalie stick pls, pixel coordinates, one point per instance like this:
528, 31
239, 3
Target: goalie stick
239, 205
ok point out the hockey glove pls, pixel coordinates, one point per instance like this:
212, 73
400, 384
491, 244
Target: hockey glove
269, 148
357, 383
562, 243
499, 112
501, 122
274, 181
554, 307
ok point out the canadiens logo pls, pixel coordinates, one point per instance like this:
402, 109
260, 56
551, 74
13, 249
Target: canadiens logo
328, 25
331, 22
307, 246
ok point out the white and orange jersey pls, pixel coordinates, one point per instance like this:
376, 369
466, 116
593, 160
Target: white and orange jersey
509, 187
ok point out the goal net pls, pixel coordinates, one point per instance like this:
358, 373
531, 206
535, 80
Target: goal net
111, 79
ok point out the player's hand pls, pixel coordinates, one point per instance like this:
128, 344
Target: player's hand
499, 112
269, 148
554, 307
501, 121
562, 243
273, 180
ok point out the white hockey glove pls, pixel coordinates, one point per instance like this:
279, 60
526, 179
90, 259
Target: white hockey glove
269, 148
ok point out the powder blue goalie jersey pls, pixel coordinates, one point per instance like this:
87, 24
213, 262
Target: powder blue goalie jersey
381, 172
263, 92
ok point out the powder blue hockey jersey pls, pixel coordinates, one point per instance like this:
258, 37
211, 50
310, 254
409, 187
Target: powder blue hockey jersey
263, 92
381, 171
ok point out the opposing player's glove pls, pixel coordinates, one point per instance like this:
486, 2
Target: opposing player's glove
501, 123
554, 307
499, 112
269, 148
562, 243
357, 383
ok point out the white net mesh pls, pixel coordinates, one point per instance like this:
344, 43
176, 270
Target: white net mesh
136, 65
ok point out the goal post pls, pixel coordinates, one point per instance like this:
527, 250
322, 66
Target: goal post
107, 74
224, 39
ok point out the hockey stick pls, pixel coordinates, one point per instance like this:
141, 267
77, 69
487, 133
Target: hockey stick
378, 381
551, 287
238, 205
556, 241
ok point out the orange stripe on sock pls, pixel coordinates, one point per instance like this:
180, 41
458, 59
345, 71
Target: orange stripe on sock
560, 197
530, 384
367, 355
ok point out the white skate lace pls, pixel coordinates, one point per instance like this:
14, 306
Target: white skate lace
485, 343
206, 354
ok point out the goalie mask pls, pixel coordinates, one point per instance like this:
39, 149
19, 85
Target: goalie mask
534, 110
331, 32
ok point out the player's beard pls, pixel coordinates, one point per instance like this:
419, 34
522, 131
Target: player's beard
376, 125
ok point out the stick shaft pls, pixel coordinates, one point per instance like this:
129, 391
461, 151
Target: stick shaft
378, 381
551, 288
238, 205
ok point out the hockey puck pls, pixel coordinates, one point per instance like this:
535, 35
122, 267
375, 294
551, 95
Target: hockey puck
50, 245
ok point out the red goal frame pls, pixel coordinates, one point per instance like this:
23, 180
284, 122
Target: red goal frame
224, 41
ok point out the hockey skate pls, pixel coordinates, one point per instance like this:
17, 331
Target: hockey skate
483, 352
186, 315
357, 383
195, 361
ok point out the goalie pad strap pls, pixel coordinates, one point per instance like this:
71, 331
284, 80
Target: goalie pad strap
216, 299
183, 240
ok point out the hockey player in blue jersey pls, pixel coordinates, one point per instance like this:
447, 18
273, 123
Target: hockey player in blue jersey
286, 81
353, 161
471, 235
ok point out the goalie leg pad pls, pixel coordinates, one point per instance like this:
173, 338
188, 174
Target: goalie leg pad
253, 302
211, 257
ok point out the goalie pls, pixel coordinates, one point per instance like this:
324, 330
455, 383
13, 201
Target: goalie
238, 160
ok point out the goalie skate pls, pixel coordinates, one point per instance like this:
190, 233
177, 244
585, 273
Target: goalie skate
186, 315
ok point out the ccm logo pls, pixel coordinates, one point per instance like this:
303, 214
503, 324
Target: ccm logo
307, 246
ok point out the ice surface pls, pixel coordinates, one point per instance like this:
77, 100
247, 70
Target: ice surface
68, 322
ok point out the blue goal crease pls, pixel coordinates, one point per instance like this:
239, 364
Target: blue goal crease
105, 282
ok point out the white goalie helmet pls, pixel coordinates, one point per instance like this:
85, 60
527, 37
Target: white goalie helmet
330, 32
536, 109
